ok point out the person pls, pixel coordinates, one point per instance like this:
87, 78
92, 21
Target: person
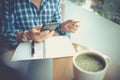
6, 72
23, 22
26, 17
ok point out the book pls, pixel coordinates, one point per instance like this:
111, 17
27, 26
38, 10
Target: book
53, 47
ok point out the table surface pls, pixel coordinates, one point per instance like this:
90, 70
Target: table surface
63, 68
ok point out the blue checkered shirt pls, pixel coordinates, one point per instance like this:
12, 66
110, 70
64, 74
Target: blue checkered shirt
24, 15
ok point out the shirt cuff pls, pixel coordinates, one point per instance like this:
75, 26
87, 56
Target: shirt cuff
60, 32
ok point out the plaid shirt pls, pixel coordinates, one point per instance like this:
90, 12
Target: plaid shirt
24, 15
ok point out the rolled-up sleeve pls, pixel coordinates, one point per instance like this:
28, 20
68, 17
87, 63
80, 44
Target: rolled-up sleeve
58, 17
9, 29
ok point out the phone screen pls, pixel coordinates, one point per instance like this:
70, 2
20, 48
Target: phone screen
50, 26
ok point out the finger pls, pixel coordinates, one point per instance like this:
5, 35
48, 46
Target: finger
42, 33
37, 27
69, 21
73, 26
72, 31
75, 21
70, 26
51, 33
45, 36
42, 36
34, 30
77, 24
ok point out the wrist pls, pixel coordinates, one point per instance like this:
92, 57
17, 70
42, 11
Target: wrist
27, 34
61, 27
26, 37
19, 35
61, 30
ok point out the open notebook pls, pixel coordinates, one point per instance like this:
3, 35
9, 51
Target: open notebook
53, 47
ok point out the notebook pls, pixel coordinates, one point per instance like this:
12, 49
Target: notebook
53, 47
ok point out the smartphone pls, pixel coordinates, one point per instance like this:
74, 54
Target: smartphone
50, 26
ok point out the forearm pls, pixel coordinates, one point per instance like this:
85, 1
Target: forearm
19, 36
10, 35
27, 34
58, 18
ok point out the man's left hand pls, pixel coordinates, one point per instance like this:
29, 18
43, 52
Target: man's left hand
70, 26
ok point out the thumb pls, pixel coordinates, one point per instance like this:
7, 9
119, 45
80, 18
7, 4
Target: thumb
69, 21
37, 27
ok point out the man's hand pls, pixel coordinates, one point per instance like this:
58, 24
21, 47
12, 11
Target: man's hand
37, 35
70, 26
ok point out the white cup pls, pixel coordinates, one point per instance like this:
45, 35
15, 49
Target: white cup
82, 74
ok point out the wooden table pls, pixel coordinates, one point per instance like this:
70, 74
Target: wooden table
63, 68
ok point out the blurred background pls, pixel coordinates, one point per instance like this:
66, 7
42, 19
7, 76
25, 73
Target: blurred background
109, 9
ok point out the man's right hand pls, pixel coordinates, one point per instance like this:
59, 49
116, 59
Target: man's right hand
37, 35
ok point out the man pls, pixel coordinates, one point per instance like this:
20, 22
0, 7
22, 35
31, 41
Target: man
25, 18
23, 22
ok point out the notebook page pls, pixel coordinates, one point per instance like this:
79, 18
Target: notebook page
23, 52
59, 46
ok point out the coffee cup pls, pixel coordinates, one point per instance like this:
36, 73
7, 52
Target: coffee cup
90, 65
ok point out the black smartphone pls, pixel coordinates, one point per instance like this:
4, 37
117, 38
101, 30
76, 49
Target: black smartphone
50, 26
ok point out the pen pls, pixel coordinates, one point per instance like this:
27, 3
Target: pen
32, 48
44, 49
